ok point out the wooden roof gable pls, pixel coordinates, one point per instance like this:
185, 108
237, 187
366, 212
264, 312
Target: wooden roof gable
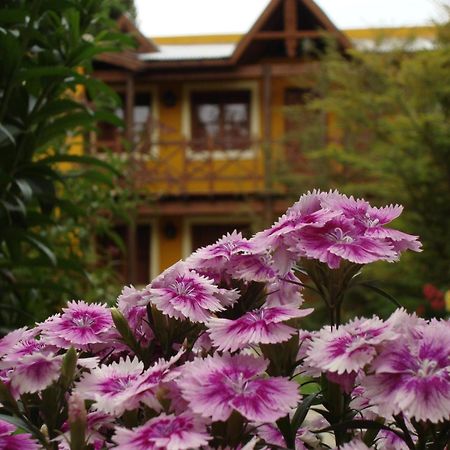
284, 23
128, 59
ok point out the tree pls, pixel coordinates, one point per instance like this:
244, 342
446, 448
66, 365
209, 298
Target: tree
46, 49
388, 116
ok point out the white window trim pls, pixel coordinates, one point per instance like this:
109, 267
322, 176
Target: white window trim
255, 126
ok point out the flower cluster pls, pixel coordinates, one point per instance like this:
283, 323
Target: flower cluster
212, 354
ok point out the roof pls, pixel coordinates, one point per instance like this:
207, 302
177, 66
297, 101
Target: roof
283, 23
189, 52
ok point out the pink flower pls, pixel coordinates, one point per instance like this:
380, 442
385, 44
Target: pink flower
129, 304
115, 387
349, 348
412, 376
232, 257
184, 294
263, 326
10, 441
217, 385
79, 325
278, 239
339, 239
371, 220
35, 372
355, 444
164, 432
124, 385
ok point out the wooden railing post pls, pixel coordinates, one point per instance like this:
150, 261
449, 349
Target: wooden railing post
267, 144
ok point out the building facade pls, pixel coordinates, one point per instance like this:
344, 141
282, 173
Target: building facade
205, 119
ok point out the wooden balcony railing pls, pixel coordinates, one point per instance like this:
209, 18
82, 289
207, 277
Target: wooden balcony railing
176, 167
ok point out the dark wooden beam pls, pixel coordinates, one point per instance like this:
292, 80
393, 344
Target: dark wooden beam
277, 35
290, 25
111, 76
247, 72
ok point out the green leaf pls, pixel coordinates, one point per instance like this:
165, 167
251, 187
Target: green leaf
80, 159
56, 107
48, 71
19, 423
42, 248
381, 292
60, 126
25, 189
5, 132
302, 411
8, 16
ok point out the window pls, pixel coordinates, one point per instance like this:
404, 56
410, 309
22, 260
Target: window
141, 115
110, 136
220, 120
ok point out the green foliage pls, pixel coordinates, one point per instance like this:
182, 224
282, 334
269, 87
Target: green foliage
388, 116
46, 49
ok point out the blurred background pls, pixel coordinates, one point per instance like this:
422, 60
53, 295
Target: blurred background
133, 133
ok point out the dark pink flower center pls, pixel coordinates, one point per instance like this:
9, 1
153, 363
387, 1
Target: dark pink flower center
116, 385
166, 427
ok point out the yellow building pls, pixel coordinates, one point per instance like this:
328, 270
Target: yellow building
206, 118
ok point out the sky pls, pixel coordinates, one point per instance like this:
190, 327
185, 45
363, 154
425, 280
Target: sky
196, 17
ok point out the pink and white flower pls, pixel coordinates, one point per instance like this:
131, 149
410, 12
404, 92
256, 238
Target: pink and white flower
263, 326
182, 293
216, 386
349, 348
340, 239
115, 388
170, 432
412, 376
80, 325
35, 372
11, 441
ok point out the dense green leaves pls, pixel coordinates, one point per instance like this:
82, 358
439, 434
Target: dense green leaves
388, 116
47, 48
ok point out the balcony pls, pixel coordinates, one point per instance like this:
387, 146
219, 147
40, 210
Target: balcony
181, 168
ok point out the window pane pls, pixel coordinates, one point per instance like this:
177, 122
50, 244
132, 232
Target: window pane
141, 115
236, 126
220, 119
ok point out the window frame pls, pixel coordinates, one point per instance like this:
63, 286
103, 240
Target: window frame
152, 92
254, 119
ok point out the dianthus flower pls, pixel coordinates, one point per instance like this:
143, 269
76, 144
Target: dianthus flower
80, 325
168, 432
355, 444
35, 372
412, 376
10, 441
123, 385
340, 239
371, 220
279, 238
263, 326
349, 348
128, 303
232, 257
217, 385
184, 294
20, 343
115, 387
